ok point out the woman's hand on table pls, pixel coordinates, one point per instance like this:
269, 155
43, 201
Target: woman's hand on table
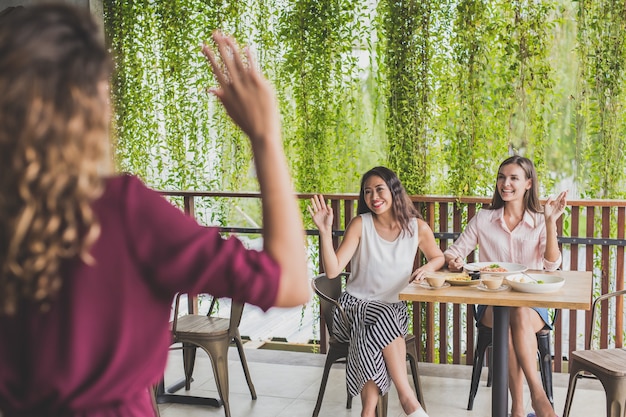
418, 275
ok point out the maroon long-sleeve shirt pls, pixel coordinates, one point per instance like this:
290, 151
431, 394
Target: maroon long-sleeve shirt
105, 339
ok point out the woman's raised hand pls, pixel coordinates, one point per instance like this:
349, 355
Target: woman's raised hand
246, 94
554, 207
250, 101
321, 214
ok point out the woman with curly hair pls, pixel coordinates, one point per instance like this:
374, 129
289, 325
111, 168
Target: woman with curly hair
90, 260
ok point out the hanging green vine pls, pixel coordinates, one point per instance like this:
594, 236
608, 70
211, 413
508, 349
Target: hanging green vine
405, 37
439, 90
319, 70
561, 50
133, 95
467, 129
170, 132
601, 121
533, 112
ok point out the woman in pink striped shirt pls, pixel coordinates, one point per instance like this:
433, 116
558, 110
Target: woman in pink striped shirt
515, 228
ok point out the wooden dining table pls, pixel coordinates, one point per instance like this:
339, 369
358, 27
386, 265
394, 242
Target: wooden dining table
575, 294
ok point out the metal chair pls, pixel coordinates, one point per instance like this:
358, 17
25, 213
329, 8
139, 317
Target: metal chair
213, 335
328, 291
606, 365
484, 341
153, 396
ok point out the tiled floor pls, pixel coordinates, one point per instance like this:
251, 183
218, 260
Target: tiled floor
287, 384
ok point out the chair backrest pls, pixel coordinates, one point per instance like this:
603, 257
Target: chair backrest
236, 312
328, 290
593, 312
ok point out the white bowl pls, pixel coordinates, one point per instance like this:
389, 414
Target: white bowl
545, 283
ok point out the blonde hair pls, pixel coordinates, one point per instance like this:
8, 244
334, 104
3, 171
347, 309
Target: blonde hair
53, 147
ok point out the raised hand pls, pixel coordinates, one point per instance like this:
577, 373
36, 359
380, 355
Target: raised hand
554, 207
250, 101
247, 96
321, 214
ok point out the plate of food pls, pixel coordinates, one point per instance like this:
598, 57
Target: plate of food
452, 278
461, 279
495, 268
535, 283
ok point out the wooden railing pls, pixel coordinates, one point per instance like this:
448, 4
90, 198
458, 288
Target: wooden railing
591, 237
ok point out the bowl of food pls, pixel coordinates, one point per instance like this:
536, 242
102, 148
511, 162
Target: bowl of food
535, 283
435, 280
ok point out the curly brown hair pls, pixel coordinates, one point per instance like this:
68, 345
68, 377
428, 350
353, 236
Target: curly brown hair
54, 147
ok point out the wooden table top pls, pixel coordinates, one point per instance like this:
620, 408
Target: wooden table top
575, 294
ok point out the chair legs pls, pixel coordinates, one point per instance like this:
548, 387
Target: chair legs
615, 402
335, 353
189, 359
615, 389
381, 407
244, 364
338, 351
217, 350
153, 394
543, 353
348, 400
545, 363
411, 352
484, 340
571, 387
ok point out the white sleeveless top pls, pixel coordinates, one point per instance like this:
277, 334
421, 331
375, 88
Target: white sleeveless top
380, 269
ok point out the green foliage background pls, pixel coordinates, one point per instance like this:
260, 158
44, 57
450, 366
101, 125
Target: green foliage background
439, 90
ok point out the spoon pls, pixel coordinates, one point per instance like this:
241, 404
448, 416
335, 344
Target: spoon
528, 276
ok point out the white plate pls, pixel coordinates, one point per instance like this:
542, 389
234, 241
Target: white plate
547, 283
483, 287
510, 268
428, 287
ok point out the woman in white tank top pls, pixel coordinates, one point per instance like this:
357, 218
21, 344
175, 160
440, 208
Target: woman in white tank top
381, 244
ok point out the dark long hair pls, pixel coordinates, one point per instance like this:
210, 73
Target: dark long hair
531, 197
54, 146
403, 208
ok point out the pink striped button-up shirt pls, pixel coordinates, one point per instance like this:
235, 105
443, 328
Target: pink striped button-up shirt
526, 244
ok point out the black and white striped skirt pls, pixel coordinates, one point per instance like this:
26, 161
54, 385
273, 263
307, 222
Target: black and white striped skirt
373, 325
